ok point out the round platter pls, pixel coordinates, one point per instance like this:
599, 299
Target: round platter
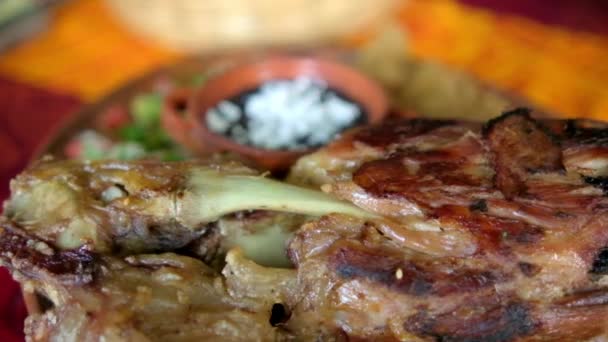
414, 86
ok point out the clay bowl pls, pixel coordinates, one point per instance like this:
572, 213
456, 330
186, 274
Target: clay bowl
184, 110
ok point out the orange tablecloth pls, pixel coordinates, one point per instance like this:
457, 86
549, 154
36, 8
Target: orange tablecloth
86, 53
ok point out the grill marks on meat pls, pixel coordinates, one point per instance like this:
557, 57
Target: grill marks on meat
492, 233
374, 283
528, 194
368, 281
446, 175
490, 323
511, 175
520, 146
350, 261
497, 234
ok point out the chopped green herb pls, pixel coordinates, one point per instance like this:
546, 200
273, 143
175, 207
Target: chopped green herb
133, 132
171, 155
143, 137
156, 139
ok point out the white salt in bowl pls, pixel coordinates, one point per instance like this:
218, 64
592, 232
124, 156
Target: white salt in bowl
185, 112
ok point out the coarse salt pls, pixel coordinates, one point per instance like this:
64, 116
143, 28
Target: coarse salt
285, 114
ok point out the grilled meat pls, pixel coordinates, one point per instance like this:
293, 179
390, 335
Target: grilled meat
504, 232
459, 232
146, 206
96, 238
164, 297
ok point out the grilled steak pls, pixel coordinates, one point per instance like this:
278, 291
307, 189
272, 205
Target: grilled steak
464, 232
505, 230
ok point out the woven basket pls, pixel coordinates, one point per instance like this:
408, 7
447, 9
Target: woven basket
198, 25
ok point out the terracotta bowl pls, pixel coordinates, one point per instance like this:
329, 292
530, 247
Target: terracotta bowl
185, 110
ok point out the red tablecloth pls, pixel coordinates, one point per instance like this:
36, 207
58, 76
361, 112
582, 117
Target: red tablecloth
588, 15
27, 115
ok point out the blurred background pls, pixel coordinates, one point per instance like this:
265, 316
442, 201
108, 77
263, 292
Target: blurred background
58, 56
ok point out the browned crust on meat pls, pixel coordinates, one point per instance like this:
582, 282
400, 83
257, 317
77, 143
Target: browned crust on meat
523, 192
350, 261
489, 321
382, 178
520, 146
37, 259
394, 132
491, 233
425, 176
532, 234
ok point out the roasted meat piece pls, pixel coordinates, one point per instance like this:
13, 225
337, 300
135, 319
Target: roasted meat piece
163, 297
496, 232
455, 231
140, 250
148, 206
